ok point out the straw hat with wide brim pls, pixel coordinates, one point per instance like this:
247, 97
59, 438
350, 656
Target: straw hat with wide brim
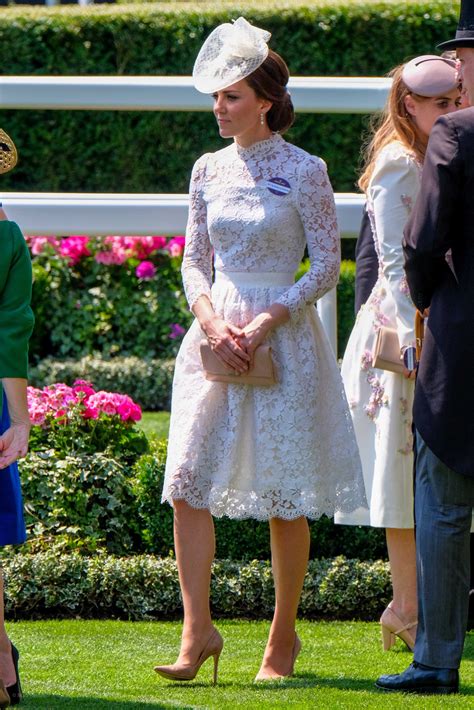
8, 153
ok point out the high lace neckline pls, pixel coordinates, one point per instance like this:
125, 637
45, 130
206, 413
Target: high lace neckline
259, 148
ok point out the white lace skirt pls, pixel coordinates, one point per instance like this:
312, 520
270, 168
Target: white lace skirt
260, 452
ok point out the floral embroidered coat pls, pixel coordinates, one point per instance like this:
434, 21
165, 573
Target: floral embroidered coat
381, 401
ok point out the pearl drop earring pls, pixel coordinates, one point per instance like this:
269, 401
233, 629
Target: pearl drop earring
262, 119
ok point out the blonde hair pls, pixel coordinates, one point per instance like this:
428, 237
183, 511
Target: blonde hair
395, 124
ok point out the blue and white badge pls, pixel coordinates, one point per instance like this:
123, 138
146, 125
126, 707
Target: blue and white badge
278, 186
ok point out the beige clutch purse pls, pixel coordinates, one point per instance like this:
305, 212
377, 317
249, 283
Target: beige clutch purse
261, 374
386, 352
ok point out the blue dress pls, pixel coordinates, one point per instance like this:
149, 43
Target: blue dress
12, 525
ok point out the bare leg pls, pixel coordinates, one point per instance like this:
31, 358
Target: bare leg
290, 553
7, 669
195, 549
402, 556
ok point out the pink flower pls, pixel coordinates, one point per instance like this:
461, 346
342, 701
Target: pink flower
59, 403
145, 270
83, 388
61, 416
74, 249
127, 409
110, 257
175, 246
177, 331
159, 242
90, 413
136, 414
38, 244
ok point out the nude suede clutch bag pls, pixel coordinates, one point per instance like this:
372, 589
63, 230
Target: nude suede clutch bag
262, 373
386, 351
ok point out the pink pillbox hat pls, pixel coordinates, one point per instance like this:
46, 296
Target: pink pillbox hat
430, 75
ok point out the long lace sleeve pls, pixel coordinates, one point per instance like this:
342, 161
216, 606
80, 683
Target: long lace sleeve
317, 209
393, 190
196, 269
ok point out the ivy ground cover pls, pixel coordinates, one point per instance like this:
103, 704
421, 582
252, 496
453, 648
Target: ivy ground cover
82, 665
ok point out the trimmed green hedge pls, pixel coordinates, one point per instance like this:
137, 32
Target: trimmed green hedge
57, 585
153, 152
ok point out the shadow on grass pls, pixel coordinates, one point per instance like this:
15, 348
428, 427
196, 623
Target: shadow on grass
57, 702
313, 680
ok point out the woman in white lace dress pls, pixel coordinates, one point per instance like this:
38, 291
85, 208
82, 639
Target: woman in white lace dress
277, 453
381, 401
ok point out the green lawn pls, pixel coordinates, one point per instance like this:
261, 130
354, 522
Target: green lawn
156, 423
108, 665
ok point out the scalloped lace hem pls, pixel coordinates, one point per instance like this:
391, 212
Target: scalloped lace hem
252, 505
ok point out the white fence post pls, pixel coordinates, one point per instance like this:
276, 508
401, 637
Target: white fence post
327, 309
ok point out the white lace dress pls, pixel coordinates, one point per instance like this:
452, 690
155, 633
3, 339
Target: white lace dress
289, 449
381, 401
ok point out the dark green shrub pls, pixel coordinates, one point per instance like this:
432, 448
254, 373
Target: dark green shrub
148, 382
153, 152
86, 307
83, 500
57, 585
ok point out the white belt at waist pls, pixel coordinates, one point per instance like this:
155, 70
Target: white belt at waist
255, 279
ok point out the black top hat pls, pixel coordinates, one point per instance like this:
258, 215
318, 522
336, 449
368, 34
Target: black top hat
465, 31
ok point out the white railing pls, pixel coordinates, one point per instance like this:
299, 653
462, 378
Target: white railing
51, 213
177, 93
100, 214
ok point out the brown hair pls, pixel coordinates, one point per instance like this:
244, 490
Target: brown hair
269, 82
395, 124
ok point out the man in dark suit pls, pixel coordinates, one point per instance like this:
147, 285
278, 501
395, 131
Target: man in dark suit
443, 220
367, 263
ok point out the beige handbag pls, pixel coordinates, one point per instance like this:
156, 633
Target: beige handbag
261, 374
386, 351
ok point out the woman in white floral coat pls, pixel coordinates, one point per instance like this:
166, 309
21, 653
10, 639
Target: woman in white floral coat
381, 401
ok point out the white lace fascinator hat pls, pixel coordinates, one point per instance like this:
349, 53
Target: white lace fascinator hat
230, 53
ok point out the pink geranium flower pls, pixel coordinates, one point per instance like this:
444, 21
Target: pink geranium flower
175, 246
146, 270
38, 244
74, 249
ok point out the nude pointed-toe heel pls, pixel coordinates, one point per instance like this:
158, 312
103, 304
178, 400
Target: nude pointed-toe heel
392, 626
188, 671
268, 678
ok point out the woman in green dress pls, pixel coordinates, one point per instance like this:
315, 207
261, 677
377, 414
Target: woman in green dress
16, 325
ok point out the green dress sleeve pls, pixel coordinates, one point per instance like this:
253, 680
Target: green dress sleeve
16, 316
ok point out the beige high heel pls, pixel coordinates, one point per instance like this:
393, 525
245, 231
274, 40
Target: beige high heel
266, 677
392, 626
181, 671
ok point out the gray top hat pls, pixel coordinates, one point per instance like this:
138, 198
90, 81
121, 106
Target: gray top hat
465, 31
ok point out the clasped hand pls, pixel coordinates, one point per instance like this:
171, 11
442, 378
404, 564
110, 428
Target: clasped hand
235, 346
